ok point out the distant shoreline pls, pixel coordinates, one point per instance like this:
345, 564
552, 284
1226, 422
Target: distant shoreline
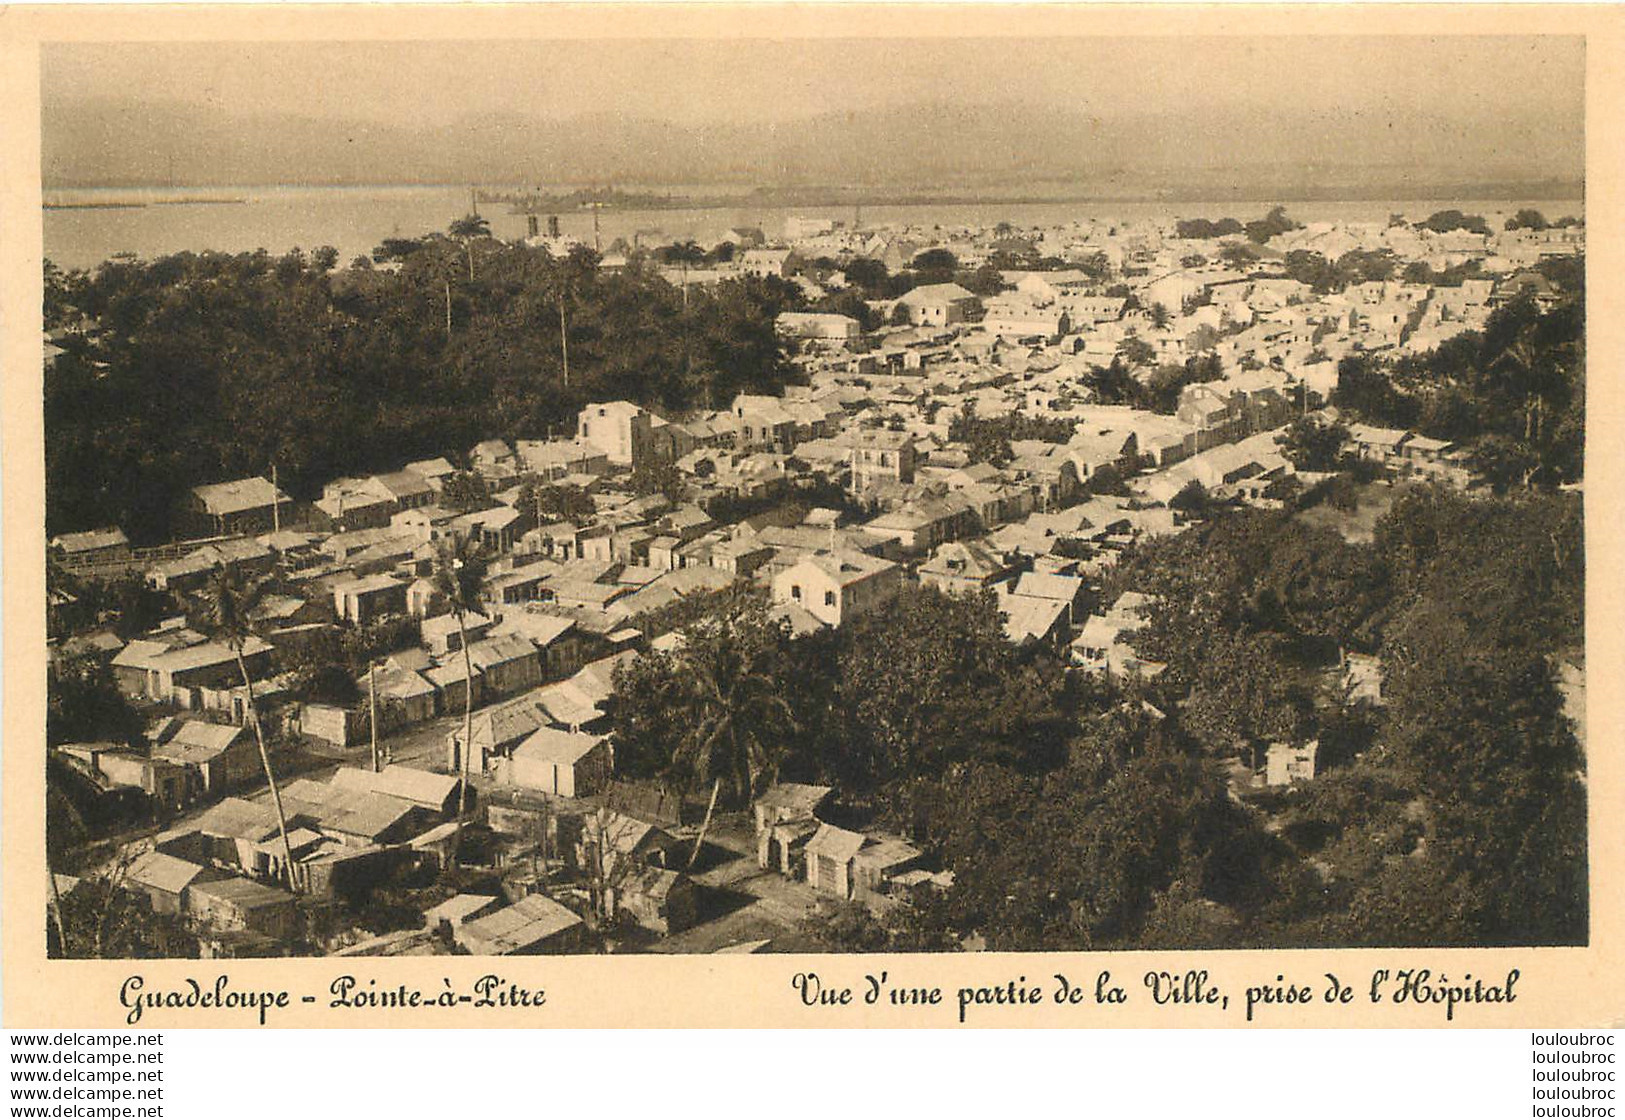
139, 204
93, 206
540, 205
713, 198
356, 220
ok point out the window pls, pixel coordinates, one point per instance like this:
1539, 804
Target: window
583, 429
795, 591
829, 598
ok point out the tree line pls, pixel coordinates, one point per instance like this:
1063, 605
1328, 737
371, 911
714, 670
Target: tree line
209, 366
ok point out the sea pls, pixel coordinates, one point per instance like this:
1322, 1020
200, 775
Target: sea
83, 227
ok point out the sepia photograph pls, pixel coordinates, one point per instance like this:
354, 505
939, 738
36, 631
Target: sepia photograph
812, 495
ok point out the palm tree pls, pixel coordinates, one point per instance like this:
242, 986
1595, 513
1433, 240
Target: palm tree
1528, 373
683, 254
736, 717
231, 602
68, 820
564, 338
564, 280
459, 570
467, 230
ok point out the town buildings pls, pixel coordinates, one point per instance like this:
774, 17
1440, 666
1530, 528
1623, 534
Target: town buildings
827, 501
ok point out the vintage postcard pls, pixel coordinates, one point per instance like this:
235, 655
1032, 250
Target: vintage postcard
810, 515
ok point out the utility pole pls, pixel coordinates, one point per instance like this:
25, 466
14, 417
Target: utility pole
372, 701
547, 820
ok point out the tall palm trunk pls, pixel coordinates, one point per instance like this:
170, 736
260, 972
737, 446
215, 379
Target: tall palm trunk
688, 352
468, 738
270, 778
705, 826
564, 342
56, 910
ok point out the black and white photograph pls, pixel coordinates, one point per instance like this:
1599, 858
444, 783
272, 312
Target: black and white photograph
813, 495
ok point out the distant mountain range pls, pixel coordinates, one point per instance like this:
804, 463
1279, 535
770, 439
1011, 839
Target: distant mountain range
937, 147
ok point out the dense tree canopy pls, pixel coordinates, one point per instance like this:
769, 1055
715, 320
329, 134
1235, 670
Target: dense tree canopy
923, 683
1527, 219
1205, 229
987, 438
1313, 444
716, 709
214, 366
1270, 225
1455, 814
1447, 221
1513, 393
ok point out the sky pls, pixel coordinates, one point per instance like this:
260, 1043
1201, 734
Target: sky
1515, 102
706, 81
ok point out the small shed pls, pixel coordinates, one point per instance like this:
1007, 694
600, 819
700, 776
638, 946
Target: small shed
788, 801
781, 846
1288, 763
879, 861
659, 900
563, 763
233, 830
625, 838
450, 681
648, 802
164, 879
362, 818
435, 792
437, 847
460, 909
851, 865
829, 860
221, 757
404, 697
443, 636
533, 925
242, 904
